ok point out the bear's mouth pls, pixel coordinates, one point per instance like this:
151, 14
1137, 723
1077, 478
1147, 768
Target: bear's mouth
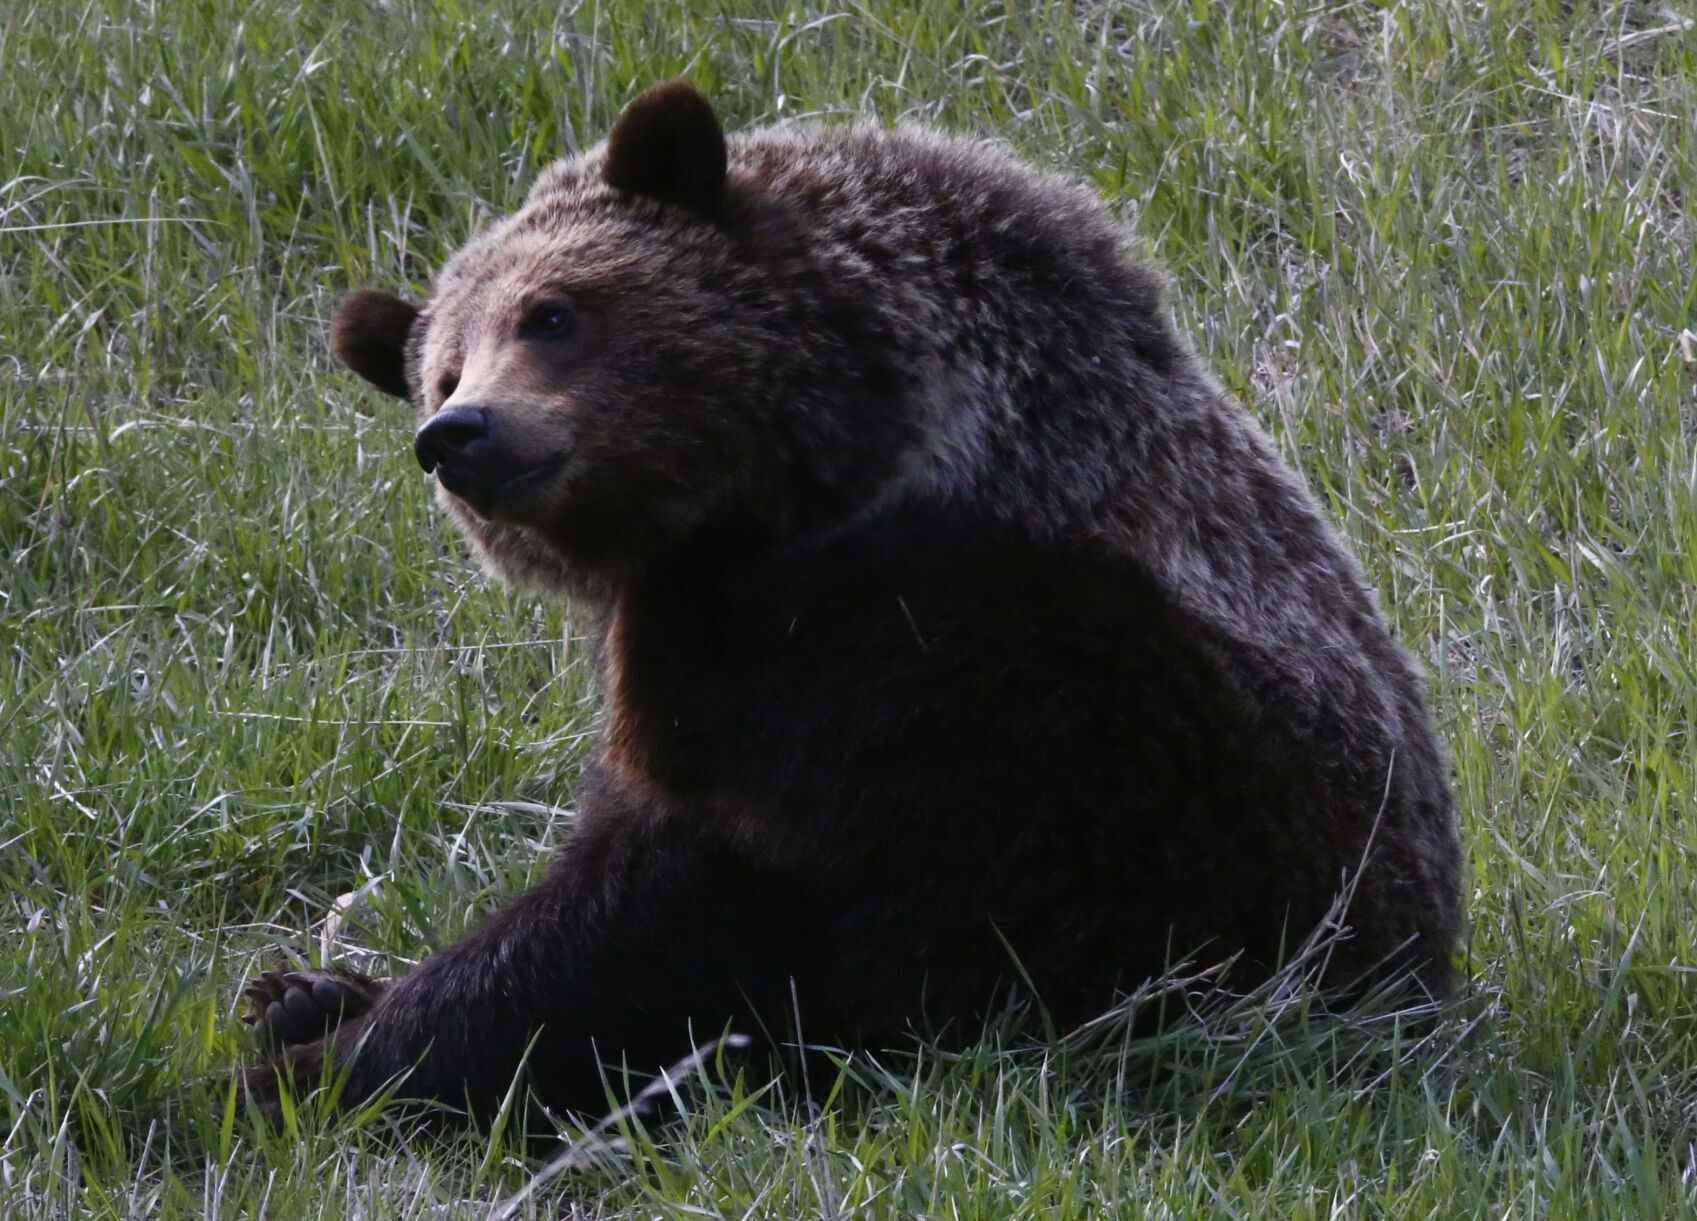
514, 498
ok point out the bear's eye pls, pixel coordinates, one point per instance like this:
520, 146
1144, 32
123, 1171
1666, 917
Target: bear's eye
447, 384
549, 319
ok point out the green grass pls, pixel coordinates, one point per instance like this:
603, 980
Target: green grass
1443, 250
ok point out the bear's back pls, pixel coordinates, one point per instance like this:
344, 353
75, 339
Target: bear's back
1053, 392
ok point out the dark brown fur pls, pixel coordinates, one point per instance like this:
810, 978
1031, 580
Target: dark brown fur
369, 336
959, 635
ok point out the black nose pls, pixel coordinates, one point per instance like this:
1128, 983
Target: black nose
452, 438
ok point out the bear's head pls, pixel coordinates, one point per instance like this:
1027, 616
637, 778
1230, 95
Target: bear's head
643, 354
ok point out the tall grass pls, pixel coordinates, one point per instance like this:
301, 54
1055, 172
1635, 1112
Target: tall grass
1442, 249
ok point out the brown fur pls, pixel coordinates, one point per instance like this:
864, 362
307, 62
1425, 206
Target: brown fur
369, 336
667, 145
950, 612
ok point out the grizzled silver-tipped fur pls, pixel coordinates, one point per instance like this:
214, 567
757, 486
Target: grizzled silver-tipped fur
1040, 376
947, 606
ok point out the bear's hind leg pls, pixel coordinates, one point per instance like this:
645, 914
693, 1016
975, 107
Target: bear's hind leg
286, 1008
646, 939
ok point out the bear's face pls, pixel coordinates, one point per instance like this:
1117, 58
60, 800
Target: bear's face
575, 379
609, 369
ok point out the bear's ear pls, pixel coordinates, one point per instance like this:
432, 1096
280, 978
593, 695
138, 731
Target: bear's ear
369, 336
668, 145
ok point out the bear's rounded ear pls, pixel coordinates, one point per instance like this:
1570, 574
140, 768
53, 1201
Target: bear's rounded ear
668, 145
369, 336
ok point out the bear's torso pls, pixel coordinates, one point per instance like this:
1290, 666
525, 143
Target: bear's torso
1021, 743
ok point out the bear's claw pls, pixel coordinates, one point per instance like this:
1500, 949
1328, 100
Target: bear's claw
292, 1007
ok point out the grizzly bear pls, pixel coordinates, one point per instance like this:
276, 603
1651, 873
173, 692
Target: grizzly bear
961, 639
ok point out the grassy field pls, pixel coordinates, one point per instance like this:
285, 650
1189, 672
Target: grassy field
1443, 250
